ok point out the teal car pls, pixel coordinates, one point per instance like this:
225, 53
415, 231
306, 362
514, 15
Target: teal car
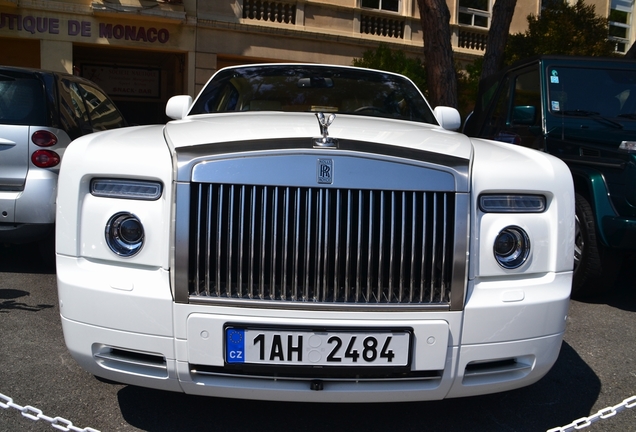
582, 110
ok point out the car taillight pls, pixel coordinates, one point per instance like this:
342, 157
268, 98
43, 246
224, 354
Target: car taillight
43, 138
45, 158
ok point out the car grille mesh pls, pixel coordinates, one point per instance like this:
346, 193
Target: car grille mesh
325, 245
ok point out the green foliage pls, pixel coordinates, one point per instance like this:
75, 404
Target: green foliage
468, 86
386, 59
562, 29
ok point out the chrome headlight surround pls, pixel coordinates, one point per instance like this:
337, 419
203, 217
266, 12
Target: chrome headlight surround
511, 247
124, 234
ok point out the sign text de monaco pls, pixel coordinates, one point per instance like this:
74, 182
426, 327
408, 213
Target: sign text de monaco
33, 25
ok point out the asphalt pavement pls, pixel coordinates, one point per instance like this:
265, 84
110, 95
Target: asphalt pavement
596, 370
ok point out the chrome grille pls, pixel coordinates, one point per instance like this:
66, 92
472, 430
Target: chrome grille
325, 245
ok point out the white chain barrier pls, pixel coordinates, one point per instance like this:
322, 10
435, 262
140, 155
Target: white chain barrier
603, 414
35, 414
66, 425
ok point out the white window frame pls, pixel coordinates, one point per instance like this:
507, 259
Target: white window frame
622, 6
399, 11
475, 13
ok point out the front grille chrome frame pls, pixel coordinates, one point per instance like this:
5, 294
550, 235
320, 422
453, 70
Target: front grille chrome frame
282, 246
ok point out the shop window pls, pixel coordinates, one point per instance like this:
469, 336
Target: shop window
474, 13
385, 5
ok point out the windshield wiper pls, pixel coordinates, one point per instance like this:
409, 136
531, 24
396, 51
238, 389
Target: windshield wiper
593, 115
579, 113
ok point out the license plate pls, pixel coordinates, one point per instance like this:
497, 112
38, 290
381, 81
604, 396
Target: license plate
316, 348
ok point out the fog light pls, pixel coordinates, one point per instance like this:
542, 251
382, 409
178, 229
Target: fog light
512, 247
124, 234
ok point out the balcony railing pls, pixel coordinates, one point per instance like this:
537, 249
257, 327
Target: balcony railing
470, 38
389, 26
381, 26
271, 11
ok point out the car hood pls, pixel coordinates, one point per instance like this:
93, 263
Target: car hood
250, 126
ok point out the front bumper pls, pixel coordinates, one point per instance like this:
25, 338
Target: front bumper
124, 326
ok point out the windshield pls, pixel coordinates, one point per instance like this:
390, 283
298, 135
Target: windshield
588, 92
308, 88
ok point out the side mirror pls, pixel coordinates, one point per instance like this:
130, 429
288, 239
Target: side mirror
178, 106
448, 117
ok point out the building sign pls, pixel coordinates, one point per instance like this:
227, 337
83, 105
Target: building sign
82, 29
125, 81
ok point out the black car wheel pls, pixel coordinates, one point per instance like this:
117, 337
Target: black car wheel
595, 265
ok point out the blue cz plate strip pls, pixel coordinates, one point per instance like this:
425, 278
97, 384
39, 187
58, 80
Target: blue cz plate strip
235, 345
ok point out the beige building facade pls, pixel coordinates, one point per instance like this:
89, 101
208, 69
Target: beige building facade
144, 51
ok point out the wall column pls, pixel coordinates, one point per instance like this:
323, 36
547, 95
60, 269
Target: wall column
56, 56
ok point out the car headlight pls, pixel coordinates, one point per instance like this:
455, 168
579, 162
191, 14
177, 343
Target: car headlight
512, 247
509, 203
126, 189
124, 234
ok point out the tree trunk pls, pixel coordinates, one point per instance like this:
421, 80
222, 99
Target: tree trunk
502, 13
438, 53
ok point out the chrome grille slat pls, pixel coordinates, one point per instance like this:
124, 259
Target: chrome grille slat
241, 243
444, 245
261, 279
321, 245
208, 245
219, 231
359, 251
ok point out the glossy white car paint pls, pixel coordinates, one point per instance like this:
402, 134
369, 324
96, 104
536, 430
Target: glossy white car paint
108, 302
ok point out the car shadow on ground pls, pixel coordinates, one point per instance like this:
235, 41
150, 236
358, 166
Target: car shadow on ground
27, 258
622, 295
567, 392
9, 301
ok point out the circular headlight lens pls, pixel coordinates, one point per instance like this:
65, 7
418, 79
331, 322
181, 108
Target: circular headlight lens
124, 234
512, 247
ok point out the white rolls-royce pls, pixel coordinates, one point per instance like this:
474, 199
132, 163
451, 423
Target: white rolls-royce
312, 233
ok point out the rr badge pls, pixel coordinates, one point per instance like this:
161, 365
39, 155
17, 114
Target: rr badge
324, 171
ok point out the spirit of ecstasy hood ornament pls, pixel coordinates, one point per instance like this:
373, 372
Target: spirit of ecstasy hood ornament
325, 122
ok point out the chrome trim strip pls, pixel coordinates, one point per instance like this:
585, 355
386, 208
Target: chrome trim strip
459, 276
323, 379
109, 357
517, 367
315, 305
188, 157
180, 254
